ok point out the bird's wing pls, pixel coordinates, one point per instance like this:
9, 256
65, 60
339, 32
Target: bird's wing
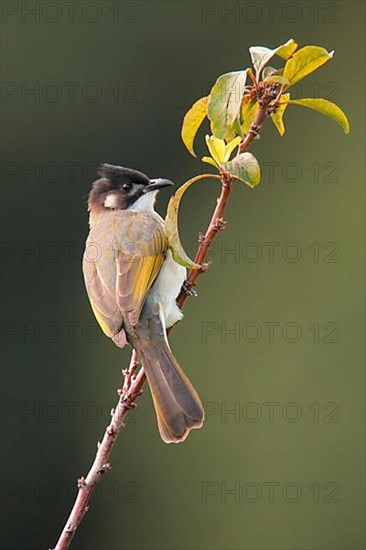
139, 262
99, 269
129, 251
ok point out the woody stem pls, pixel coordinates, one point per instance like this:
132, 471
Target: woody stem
133, 383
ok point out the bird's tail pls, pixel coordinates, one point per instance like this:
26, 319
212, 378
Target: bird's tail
177, 405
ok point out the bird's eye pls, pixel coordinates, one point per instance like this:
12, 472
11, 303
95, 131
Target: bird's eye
127, 186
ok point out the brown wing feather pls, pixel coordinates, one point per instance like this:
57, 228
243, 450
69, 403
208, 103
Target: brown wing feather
103, 302
138, 268
129, 249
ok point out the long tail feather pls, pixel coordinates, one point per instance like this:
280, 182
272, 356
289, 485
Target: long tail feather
177, 405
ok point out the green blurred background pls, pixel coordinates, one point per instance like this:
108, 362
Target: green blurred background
284, 469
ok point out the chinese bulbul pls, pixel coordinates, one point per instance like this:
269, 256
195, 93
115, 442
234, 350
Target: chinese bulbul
132, 282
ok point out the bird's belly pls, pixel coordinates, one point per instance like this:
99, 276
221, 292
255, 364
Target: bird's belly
166, 289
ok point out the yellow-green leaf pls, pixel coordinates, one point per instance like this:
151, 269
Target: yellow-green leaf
220, 151
234, 130
217, 148
277, 117
225, 100
305, 61
210, 160
279, 79
261, 55
287, 49
192, 121
231, 132
270, 74
231, 146
249, 108
326, 108
171, 224
268, 71
245, 168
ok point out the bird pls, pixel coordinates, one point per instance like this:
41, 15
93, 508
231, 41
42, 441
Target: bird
132, 282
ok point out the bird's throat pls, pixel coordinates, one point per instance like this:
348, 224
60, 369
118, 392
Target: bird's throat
145, 203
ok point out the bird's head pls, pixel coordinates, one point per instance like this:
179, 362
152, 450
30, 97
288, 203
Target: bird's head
120, 188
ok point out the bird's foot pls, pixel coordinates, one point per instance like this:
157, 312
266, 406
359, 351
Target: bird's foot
188, 290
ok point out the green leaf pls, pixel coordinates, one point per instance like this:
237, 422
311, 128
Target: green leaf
192, 121
261, 55
305, 61
171, 225
232, 132
235, 130
326, 108
268, 71
249, 108
277, 117
233, 144
225, 100
245, 168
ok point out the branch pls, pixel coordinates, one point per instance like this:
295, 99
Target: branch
128, 394
256, 126
217, 222
132, 385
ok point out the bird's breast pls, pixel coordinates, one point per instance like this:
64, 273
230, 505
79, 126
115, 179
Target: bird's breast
166, 288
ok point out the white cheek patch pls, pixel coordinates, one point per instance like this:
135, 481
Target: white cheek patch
111, 201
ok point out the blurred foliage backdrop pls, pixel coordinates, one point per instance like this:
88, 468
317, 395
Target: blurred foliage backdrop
284, 469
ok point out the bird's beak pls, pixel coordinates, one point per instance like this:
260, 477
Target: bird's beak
156, 184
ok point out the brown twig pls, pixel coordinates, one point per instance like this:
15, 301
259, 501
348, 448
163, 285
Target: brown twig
217, 222
128, 394
256, 126
132, 386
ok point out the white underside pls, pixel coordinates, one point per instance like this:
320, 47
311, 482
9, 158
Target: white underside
166, 289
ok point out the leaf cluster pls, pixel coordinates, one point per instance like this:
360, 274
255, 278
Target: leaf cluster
235, 98
236, 107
